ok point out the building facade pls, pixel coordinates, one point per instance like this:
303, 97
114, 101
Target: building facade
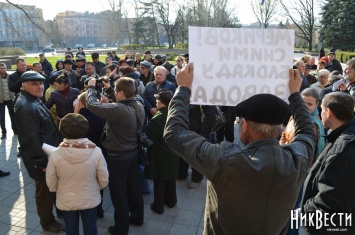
79, 28
17, 30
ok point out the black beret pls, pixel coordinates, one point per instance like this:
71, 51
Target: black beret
73, 126
263, 108
95, 55
147, 52
68, 62
32, 76
167, 65
186, 55
158, 57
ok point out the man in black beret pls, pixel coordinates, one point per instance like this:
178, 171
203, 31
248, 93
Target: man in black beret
35, 128
254, 187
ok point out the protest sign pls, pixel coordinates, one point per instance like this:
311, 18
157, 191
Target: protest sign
232, 64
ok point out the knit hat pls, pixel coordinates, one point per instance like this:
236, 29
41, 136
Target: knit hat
73, 126
263, 108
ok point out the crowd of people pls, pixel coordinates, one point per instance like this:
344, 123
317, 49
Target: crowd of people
293, 157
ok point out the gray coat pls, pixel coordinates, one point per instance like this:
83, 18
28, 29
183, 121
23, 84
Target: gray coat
250, 190
121, 122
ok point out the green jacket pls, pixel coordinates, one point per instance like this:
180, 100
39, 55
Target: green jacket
163, 162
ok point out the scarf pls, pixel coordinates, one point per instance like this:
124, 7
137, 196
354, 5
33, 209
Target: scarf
65, 91
320, 141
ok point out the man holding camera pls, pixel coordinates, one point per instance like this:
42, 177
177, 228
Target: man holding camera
120, 143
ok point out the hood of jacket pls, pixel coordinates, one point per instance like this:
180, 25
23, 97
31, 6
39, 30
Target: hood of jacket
76, 150
135, 75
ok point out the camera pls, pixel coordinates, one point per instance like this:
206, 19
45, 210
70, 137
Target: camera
145, 140
104, 79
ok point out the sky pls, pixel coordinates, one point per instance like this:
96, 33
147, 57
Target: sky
52, 7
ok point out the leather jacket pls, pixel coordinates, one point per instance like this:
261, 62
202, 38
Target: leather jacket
63, 103
328, 187
251, 189
35, 126
15, 82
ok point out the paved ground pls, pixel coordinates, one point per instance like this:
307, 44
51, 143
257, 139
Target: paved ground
18, 210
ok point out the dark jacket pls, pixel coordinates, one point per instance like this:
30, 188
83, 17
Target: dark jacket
336, 66
62, 102
15, 83
47, 67
121, 121
96, 126
251, 189
171, 78
35, 126
329, 186
98, 66
202, 126
151, 90
163, 162
147, 79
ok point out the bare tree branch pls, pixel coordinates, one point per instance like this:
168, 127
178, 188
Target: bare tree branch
27, 15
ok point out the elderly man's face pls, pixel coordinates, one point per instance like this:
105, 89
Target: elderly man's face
323, 79
159, 75
35, 88
349, 73
301, 67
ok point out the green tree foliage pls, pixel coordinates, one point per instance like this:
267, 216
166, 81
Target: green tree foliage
338, 20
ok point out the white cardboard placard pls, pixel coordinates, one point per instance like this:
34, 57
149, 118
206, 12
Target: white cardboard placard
232, 64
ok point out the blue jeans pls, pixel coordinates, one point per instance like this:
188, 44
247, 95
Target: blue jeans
88, 218
10, 108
